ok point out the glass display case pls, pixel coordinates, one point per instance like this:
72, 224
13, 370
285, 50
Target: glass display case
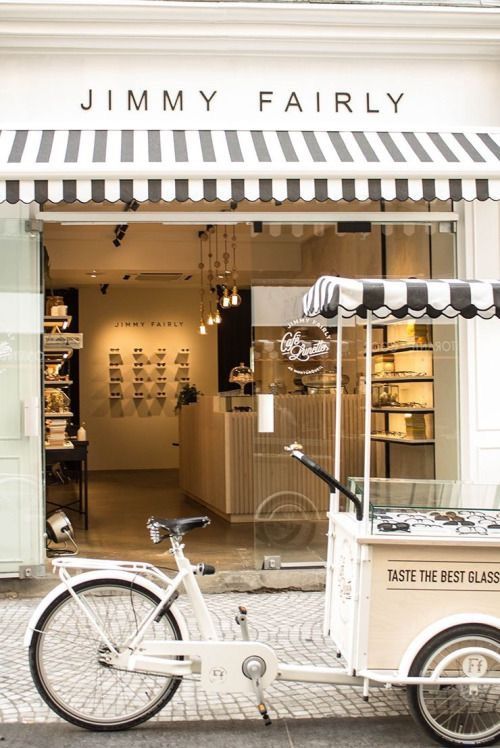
431, 507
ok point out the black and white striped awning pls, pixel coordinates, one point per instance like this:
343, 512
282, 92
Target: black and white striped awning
153, 165
401, 298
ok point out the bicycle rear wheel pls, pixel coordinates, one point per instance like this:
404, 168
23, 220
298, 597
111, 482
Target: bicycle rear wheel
66, 656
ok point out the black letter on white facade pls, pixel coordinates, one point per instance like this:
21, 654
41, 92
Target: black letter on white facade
368, 107
262, 100
89, 105
178, 100
342, 99
396, 101
293, 101
142, 100
208, 100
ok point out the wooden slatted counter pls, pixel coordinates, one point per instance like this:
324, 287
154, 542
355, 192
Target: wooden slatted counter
234, 471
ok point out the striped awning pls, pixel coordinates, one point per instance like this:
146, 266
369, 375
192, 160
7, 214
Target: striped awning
401, 298
112, 165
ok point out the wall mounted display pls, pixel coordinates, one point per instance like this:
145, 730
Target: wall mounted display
59, 346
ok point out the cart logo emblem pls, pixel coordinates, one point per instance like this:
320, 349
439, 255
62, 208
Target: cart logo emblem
217, 675
344, 582
300, 346
475, 666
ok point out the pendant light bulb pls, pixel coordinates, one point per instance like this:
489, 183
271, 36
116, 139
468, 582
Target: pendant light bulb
217, 318
202, 328
225, 300
210, 319
235, 297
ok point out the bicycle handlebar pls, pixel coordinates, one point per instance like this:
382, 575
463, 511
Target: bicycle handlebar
328, 479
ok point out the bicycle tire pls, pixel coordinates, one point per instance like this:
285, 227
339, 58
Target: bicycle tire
458, 715
65, 649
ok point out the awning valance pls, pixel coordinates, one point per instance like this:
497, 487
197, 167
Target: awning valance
399, 298
154, 165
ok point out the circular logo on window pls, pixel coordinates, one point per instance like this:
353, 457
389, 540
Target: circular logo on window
305, 343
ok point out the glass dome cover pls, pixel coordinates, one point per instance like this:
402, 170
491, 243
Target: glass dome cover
241, 374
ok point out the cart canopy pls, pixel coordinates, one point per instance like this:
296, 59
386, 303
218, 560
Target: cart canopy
401, 298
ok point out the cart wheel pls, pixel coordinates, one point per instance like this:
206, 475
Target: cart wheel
466, 715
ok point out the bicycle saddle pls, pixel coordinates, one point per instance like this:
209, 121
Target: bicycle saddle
174, 527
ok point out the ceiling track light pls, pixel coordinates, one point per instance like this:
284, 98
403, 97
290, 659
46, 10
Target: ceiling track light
122, 228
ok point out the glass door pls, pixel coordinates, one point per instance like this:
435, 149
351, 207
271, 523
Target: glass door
293, 359
21, 509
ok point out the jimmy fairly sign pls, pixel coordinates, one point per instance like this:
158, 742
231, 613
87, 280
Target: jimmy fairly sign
296, 349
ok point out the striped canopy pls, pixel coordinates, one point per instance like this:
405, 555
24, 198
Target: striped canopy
154, 165
401, 298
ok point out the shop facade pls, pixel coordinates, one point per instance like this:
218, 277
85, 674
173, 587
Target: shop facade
310, 115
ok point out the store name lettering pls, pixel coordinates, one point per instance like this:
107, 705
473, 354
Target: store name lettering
136, 100
153, 323
296, 349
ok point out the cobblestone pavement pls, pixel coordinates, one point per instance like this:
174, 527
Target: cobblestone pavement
291, 622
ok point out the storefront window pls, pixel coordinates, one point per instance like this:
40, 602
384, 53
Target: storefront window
414, 409
138, 307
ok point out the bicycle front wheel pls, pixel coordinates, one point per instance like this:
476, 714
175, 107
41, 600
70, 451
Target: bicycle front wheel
459, 715
66, 656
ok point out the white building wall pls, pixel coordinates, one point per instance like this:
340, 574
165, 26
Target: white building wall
479, 247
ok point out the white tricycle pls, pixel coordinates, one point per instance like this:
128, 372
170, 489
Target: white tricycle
410, 602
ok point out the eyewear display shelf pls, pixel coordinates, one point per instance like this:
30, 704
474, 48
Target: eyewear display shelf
431, 508
57, 380
402, 389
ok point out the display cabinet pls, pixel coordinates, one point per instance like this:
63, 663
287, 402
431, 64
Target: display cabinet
58, 347
402, 402
435, 508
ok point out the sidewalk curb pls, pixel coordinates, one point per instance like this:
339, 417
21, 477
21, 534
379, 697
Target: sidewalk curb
306, 580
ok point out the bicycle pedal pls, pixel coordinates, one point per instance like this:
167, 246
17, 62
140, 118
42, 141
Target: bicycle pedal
264, 714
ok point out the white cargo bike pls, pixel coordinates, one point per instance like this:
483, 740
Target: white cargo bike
412, 594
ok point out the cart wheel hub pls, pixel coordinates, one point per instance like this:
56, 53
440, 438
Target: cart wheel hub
475, 665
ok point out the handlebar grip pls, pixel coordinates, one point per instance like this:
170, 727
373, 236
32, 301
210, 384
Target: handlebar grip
207, 570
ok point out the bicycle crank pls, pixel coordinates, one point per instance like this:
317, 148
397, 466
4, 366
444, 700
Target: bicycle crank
254, 668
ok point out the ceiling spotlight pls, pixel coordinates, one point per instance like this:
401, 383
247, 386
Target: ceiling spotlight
116, 242
120, 231
133, 205
104, 288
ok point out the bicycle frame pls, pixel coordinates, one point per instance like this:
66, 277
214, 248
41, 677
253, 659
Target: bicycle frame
210, 655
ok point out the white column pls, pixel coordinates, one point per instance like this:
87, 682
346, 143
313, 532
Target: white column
479, 258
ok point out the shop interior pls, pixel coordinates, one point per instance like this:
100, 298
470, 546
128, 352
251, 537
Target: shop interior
159, 336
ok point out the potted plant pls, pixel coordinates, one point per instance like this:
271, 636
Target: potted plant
187, 394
